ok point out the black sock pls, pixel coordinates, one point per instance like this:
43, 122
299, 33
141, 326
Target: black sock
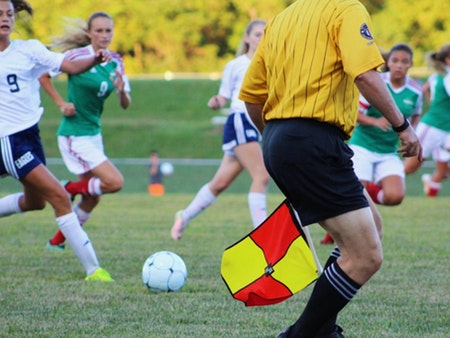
330, 325
333, 290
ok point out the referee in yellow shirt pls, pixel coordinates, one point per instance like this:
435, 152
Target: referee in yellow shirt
301, 91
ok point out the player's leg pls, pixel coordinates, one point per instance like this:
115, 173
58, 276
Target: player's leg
84, 156
40, 181
390, 180
250, 157
228, 170
433, 183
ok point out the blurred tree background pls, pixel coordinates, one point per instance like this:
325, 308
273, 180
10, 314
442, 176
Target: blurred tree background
156, 36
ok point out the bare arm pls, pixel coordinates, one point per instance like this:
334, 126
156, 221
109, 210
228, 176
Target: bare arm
67, 108
255, 113
119, 84
81, 65
373, 88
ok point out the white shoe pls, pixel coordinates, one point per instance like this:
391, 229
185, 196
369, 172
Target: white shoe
179, 226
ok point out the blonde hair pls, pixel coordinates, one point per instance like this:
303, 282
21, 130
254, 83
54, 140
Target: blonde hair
437, 59
75, 35
243, 46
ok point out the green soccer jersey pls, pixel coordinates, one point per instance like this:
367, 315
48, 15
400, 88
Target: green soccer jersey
88, 92
438, 114
409, 101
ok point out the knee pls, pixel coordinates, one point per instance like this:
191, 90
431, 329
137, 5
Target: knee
372, 262
394, 198
113, 185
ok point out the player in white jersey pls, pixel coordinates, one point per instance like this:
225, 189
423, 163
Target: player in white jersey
240, 142
22, 155
79, 134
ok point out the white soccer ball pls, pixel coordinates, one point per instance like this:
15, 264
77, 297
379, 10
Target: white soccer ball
167, 168
164, 271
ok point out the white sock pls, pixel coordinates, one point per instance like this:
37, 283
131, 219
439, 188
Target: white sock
380, 196
78, 241
10, 205
201, 201
94, 186
82, 215
258, 207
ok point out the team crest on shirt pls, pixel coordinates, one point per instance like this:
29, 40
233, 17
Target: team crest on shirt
365, 32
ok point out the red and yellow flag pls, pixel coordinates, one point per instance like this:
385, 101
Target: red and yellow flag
271, 263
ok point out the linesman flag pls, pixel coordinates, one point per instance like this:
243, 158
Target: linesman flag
272, 262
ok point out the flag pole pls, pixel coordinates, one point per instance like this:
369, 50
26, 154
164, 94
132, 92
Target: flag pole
310, 242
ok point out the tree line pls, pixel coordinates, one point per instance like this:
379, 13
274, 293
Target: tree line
156, 36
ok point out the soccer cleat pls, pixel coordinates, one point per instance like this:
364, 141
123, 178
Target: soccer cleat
335, 334
56, 247
327, 239
426, 178
99, 275
283, 333
178, 226
64, 183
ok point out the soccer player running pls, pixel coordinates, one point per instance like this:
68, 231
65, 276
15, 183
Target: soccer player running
374, 143
300, 92
434, 127
22, 155
240, 142
79, 135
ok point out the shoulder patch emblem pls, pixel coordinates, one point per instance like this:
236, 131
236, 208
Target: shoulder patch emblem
365, 32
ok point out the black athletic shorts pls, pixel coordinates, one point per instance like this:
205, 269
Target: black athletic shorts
311, 164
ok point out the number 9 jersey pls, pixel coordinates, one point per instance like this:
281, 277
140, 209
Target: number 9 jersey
21, 65
88, 92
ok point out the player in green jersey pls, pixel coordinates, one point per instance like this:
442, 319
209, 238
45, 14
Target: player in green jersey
79, 134
375, 144
434, 128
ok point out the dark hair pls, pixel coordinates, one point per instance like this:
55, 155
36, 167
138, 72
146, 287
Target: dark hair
398, 47
437, 59
21, 5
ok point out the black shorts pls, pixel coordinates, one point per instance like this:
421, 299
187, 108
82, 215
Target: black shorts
311, 164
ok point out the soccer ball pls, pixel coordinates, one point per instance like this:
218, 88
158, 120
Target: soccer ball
167, 168
164, 271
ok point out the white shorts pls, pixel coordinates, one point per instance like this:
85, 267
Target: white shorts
370, 166
432, 141
442, 153
81, 153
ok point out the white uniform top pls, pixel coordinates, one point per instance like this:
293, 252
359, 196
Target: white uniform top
21, 65
230, 86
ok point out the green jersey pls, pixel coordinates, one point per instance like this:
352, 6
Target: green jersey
88, 92
438, 114
408, 99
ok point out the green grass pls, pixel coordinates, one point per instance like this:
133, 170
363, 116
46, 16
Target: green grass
170, 116
43, 293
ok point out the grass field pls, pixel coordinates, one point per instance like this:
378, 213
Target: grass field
43, 293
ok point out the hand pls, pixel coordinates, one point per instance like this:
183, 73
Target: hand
383, 123
410, 145
68, 109
214, 102
118, 82
102, 55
